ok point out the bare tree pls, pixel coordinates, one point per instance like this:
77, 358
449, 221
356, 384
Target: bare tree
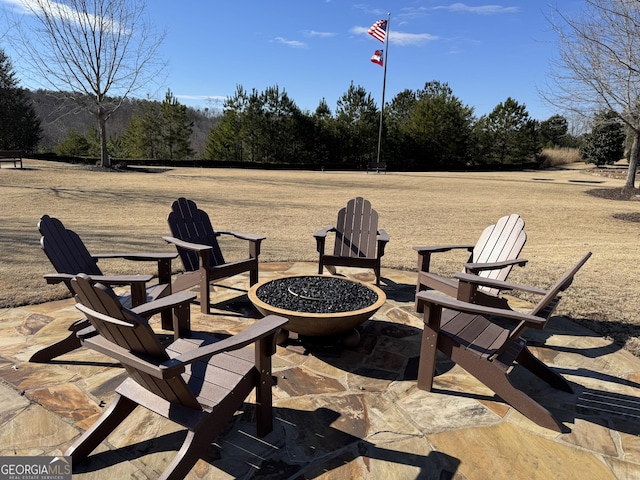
598, 66
98, 52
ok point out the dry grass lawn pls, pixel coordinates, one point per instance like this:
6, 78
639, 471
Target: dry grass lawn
126, 211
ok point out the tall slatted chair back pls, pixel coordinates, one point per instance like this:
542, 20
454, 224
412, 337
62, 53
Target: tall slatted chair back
69, 256
502, 241
544, 308
132, 333
550, 300
199, 382
190, 224
358, 240
64, 248
487, 342
356, 230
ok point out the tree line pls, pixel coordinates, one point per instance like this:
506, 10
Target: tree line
596, 75
426, 129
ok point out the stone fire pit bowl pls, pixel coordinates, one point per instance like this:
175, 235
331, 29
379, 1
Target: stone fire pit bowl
318, 305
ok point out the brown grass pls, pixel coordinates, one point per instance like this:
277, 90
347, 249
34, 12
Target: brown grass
558, 156
125, 211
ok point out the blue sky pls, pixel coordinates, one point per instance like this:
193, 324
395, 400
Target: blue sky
485, 51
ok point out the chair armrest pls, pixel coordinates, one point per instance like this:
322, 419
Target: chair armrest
501, 284
264, 327
170, 301
321, 237
383, 239
323, 232
53, 278
162, 258
243, 236
254, 241
424, 253
383, 236
442, 248
138, 257
474, 308
197, 247
480, 267
267, 326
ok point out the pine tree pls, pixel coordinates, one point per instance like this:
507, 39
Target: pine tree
176, 128
143, 137
19, 125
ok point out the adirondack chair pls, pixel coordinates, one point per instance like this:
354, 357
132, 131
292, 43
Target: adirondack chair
69, 256
470, 335
202, 259
196, 383
358, 241
493, 256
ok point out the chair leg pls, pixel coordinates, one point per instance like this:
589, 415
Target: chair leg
253, 276
419, 288
497, 380
264, 395
538, 368
205, 291
428, 353
66, 345
193, 448
108, 421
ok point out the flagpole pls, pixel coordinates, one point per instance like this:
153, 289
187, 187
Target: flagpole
384, 86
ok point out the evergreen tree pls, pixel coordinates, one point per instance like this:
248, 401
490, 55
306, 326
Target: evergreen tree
605, 144
357, 126
508, 134
175, 129
143, 137
160, 131
280, 126
554, 132
227, 139
19, 125
74, 144
321, 145
439, 126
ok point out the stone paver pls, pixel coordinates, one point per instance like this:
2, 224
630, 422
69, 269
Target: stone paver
339, 412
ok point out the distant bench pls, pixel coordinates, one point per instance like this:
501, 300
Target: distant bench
377, 167
13, 156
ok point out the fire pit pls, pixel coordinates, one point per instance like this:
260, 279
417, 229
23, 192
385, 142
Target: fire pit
318, 305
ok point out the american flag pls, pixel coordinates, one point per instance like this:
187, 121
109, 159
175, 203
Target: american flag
378, 30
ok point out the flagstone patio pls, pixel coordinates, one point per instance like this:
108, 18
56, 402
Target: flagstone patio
339, 412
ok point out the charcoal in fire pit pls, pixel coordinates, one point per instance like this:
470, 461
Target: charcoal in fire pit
316, 294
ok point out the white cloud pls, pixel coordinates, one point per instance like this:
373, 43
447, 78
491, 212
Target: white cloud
480, 9
61, 11
291, 43
314, 33
401, 38
371, 10
20, 4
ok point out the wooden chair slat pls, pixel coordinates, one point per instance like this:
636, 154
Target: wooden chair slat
500, 242
488, 349
197, 244
69, 255
194, 382
358, 242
